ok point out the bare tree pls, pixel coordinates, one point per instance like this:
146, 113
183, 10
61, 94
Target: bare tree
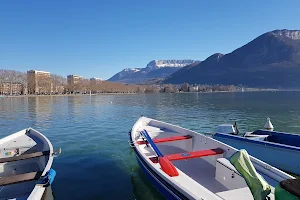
7, 75
12, 77
58, 83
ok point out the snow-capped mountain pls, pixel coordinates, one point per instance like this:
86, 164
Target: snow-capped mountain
156, 69
156, 64
132, 70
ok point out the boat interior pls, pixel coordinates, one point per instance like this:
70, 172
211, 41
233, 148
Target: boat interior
279, 137
23, 157
199, 158
262, 135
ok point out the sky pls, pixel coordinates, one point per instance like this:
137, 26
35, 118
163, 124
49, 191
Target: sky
95, 38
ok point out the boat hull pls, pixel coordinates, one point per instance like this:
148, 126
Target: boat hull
284, 157
156, 183
164, 188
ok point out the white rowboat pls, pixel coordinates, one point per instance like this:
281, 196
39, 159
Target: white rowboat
25, 165
193, 166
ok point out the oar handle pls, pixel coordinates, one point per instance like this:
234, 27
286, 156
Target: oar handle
150, 141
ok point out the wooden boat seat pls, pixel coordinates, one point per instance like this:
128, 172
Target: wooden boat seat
189, 155
20, 178
25, 156
194, 154
167, 139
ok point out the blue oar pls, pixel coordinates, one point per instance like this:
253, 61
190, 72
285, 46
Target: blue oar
165, 164
150, 141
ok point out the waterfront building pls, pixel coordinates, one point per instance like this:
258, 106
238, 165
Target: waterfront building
11, 88
38, 82
73, 82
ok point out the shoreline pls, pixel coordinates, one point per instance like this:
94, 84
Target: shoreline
64, 95
67, 95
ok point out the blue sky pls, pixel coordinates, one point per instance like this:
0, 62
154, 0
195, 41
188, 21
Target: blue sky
100, 38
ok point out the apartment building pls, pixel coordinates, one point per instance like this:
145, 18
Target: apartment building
73, 83
38, 82
11, 88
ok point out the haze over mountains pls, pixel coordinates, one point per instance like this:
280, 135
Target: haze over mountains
156, 69
270, 60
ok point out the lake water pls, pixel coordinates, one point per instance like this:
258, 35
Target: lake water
96, 161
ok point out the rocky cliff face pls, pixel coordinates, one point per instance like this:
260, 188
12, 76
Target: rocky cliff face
270, 60
156, 69
156, 64
292, 34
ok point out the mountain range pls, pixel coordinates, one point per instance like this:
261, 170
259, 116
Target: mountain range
156, 69
270, 60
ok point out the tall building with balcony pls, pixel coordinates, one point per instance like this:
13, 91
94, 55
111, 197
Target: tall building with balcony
38, 82
73, 82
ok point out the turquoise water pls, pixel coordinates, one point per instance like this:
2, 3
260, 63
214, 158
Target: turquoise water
96, 161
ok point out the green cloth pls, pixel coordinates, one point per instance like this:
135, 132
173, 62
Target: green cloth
282, 194
259, 187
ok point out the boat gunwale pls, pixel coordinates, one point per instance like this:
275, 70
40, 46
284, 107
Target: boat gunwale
265, 143
279, 132
38, 188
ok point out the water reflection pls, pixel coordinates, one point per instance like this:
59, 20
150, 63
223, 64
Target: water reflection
40, 110
74, 104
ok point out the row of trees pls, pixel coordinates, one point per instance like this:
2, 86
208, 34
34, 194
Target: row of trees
59, 85
86, 86
12, 76
56, 83
7, 75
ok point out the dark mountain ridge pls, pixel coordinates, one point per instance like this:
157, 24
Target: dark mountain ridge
270, 60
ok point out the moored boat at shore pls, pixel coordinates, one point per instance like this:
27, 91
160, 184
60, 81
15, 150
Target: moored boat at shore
183, 164
279, 149
26, 158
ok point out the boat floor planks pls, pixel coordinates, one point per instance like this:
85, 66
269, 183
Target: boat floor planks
24, 156
20, 178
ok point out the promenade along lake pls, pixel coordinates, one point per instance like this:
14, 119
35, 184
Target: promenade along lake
96, 161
